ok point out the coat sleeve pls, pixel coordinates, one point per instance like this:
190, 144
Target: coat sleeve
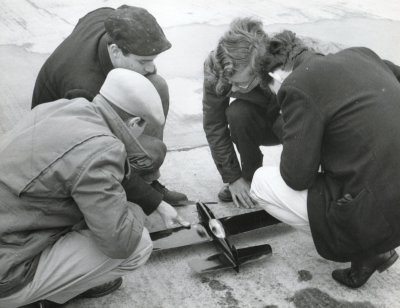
142, 193
116, 224
302, 138
277, 128
215, 126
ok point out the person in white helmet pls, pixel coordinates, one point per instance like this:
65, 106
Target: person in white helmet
66, 227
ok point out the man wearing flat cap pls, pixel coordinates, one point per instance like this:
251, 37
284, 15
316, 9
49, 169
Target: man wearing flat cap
66, 226
128, 37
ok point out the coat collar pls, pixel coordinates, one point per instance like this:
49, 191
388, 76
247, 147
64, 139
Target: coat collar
104, 57
304, 56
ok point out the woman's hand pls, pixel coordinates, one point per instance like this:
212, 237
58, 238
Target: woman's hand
240, 190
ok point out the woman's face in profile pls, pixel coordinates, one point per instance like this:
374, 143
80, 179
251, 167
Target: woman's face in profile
244, 80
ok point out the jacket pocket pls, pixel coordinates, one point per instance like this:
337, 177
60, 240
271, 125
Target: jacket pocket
358, 225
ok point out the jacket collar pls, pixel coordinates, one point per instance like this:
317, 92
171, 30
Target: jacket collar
117, 126
104, 57
304, 56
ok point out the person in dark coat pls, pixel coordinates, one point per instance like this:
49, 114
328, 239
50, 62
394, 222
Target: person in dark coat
339, 173
248, 121
128, 37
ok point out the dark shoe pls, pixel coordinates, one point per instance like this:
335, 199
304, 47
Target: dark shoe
102, 290
99, 291
42, 304
225, 194
172, 197
360, 271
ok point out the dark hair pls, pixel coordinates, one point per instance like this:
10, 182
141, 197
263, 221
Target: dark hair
282, 51
111, 41
268, 64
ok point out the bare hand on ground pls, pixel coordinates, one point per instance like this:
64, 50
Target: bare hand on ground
240, 190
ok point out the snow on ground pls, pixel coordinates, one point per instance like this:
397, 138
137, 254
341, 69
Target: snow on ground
43, 24
194, 27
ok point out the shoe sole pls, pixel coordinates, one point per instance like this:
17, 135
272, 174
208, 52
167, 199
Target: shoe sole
106, 292
225, 199
388, 263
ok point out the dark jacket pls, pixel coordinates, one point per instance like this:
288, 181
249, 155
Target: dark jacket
341, 114
215, 121
64, 178
78, 68
79, 65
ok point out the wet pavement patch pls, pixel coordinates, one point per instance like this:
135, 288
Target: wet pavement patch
304, 275
313, 297
230, 300
227, 299
205, 279
218, 285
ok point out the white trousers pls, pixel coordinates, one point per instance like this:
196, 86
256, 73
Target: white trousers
271, 192
73, 265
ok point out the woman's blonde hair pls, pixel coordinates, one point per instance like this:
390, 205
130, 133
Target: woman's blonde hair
242, 45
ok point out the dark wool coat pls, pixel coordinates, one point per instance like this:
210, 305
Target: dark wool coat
341, 135
79, 65
78, 68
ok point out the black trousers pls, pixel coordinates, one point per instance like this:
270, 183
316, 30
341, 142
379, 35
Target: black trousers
250, 126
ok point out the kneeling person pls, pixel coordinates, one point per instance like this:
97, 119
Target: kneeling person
127, 37
339, 169
66, 225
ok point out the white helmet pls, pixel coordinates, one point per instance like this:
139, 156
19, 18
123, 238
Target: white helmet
134, 94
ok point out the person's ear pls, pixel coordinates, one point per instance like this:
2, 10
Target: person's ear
115, 51
136, 125
135, 121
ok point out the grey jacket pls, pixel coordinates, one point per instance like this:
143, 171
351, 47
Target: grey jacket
62, 166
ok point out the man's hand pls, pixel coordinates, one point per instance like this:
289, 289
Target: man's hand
170, 216
343, 201
240, 190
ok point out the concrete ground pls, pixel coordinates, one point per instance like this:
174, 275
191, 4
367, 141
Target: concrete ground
294, 276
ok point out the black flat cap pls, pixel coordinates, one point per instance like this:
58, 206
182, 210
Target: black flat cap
136, 31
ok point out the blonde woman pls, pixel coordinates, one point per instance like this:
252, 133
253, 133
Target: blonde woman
236, 110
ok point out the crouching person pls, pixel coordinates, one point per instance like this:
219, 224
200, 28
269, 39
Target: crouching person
66, 226
339, 173
250, 120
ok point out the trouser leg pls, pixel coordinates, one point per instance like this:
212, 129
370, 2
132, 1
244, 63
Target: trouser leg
271, 192
250, 127
73, 265
162, 88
